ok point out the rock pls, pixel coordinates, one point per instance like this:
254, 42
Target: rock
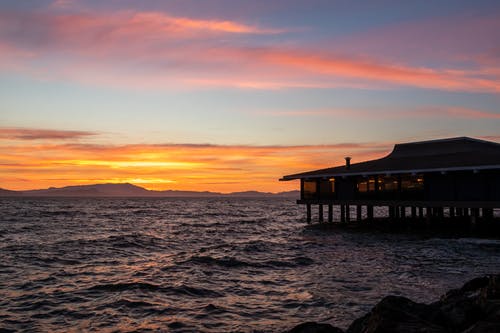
312, 327
465, 307
474, 308
398, 314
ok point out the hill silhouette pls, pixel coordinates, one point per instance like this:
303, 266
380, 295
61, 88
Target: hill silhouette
131, 190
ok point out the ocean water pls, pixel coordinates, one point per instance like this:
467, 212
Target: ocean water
210, 265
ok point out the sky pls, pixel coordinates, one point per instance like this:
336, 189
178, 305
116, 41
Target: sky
230, 95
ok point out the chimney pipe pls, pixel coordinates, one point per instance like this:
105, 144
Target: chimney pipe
347, 162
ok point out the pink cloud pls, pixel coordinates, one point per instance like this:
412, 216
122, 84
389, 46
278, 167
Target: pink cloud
41, 134
443, 39
466, 113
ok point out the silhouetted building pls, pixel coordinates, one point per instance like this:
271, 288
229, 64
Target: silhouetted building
459, 174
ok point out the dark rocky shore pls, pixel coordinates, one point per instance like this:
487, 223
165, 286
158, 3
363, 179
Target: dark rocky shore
471, 309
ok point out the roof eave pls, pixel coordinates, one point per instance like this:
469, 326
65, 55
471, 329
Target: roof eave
370, 173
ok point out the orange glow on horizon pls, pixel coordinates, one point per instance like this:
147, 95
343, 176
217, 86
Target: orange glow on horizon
35, 164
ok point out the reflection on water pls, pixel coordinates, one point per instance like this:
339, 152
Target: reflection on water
207, 265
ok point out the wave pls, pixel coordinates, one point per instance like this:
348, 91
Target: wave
118, 287
231, 262
134, 240
479, 241
144, 286
129, 304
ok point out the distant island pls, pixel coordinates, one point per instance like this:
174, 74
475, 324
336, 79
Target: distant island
131, 190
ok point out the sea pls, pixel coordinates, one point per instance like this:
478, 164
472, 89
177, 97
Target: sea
208, 265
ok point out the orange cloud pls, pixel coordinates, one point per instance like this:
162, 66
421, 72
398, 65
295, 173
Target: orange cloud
445, 79
156, 21
169, 166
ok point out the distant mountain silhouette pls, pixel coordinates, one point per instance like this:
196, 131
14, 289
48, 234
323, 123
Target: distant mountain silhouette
9, 193
130, 190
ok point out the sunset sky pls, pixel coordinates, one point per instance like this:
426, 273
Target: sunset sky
231, 95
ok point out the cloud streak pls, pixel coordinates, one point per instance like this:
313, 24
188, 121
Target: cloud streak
8, 133
405, 112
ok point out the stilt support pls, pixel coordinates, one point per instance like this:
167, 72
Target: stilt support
369, 212
308, 213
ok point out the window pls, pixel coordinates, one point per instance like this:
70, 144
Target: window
366, 184
412, 182
328, 185
310, 189
387, 183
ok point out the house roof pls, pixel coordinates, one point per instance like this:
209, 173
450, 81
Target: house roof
452, 154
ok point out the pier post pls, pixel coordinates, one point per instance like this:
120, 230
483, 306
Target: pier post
308, 214
358, 213
428, 214
452, 212
330, 213
320, 213
440, 212
369, 212
347, 213
403, 212
421, 213
474, 213
413, 212
342, 213
391, 212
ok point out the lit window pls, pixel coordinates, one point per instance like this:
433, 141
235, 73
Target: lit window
366, 184
310, 188
387, 183
412, 182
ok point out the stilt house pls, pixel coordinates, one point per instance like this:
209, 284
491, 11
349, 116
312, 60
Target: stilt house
459, 174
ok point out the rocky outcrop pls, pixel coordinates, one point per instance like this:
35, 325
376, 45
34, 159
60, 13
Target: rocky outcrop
473, 308
311, 327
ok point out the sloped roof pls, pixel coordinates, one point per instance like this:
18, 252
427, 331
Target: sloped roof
462, 153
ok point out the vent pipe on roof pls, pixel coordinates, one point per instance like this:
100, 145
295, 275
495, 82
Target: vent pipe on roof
347, 162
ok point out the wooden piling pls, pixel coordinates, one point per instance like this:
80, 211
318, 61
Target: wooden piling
391, 212
308, 213
369, 212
